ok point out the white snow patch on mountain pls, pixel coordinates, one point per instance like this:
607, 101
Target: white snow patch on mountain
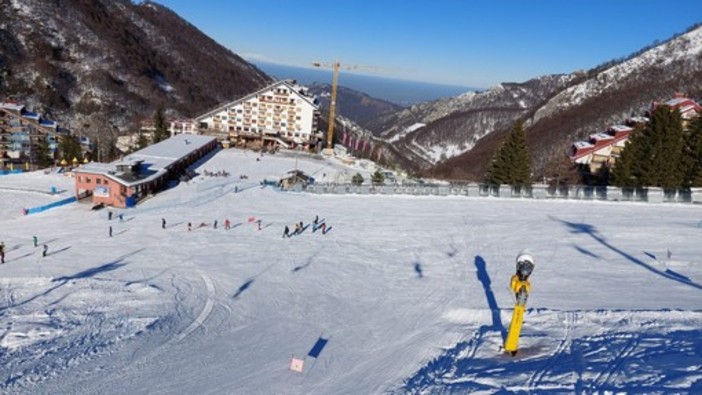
406, 131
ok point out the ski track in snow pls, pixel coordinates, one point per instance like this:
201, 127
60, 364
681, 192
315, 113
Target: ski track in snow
615, 365
564, 346
206, 311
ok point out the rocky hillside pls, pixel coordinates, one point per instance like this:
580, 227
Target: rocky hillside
102, 64
461, 134
429, 133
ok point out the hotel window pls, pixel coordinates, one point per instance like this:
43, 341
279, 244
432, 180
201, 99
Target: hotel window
98, 181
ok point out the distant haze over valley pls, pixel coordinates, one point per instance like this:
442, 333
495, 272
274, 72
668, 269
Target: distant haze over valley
401, 92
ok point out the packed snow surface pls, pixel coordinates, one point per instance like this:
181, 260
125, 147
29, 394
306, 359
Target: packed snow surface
402, 294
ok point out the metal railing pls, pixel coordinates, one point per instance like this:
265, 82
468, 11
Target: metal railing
570, 192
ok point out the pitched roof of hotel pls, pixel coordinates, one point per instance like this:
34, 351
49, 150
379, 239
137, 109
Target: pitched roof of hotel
290, 84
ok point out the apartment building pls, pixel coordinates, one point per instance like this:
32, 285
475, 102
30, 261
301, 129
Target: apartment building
282, 114
20, 133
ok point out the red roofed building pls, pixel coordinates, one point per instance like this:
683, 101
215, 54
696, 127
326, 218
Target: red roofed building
600, 148
688, 108
606, 147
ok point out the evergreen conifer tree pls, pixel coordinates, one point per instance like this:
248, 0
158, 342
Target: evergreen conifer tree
693, 154
70, 148
42, 153
357, 179
653, 154
142, 141
161, 132
378, 178
511, 165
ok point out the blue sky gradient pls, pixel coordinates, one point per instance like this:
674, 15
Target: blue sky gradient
458, 42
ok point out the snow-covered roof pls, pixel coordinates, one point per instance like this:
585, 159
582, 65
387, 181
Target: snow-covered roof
293, 88
621, 128
601, 136
153, 160
676, 101
173, 148
582, 144
11, 106
638, 119
31, 115
48, 124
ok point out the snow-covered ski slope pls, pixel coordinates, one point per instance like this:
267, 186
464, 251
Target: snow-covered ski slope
411, 293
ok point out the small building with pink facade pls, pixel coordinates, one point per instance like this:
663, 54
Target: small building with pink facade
125, 182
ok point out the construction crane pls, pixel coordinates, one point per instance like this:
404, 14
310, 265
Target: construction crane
329, 150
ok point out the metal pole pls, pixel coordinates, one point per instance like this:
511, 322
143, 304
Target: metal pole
296, 155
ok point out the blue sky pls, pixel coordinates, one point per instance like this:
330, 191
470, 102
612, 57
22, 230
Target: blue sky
459, 42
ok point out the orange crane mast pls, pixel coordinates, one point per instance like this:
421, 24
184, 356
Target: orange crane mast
335, 66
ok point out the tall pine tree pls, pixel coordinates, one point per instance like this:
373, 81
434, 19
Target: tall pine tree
693, 154
70, 148
42, 153
161, 132
142, 141
511, 165
653, 154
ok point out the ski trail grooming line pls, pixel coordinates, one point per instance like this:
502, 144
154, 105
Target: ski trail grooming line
206, 311
538, 376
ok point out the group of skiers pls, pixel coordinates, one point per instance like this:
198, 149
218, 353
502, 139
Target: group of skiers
227, 224
301, 227
36, 244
